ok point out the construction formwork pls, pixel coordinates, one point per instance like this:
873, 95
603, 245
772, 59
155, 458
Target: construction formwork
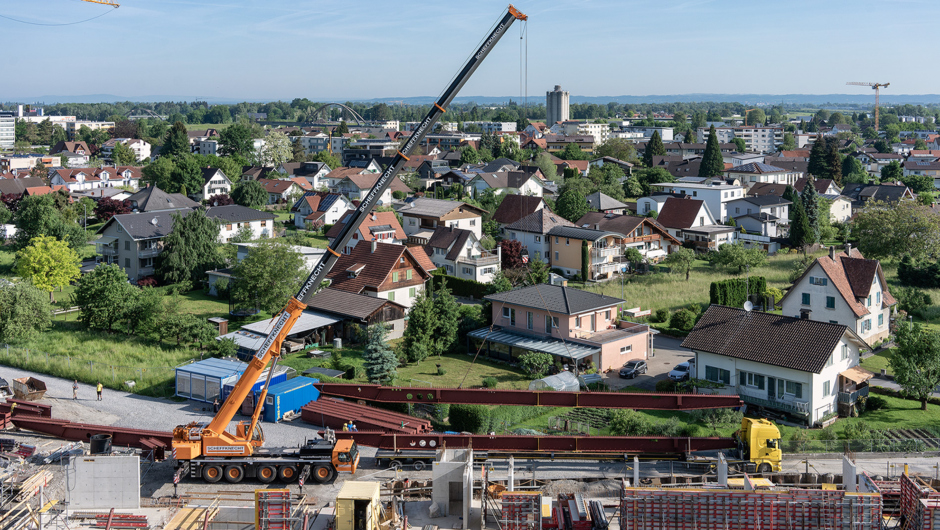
273, 509
913, 490
927, 515
716, 509
520, 510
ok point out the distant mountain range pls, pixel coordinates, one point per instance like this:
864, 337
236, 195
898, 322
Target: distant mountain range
862, 98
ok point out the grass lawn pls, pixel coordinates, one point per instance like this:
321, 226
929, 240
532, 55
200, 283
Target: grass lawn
460, 368
878, 362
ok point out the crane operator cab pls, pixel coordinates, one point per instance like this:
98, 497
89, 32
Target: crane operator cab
346, 456
257, 436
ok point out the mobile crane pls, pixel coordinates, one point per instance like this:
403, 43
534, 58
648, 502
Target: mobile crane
210, 451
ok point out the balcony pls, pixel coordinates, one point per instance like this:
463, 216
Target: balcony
754, 396
852, 397
107, 251
149, 252
606, 268
481, 260
605, 252
145, 271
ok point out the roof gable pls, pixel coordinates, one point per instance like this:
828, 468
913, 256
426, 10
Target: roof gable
515, 207
679, 213
555, 298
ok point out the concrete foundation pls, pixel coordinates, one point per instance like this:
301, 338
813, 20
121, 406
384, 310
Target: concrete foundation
104, 482
452, 488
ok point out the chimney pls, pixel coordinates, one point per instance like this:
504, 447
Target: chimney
597, 226
374, 243
832, 252
805, 314
848, 249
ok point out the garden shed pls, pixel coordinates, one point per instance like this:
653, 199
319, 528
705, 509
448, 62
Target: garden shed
203, 380
563, 381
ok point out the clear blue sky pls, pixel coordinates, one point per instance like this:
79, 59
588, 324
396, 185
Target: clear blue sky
341, 50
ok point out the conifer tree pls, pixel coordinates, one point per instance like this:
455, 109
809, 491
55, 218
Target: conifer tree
585, 261
380, 360
799, 228
176, 142
818, 165
654, 147
810, 199
834, 162
447, 312
712, 162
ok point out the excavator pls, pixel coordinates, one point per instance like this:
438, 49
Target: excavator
211, 451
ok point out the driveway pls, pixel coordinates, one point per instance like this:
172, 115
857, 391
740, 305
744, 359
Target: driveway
667, 355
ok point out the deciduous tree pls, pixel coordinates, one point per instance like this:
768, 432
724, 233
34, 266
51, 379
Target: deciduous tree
25, 312
885, 230
122, 155
189, 250
680, 261
536, 363
276, 150
47, 263
511, 254
735, 256
268, 275
237, 140
250, 193
892, 172
108, 208
916, 363
571, 205
103, 296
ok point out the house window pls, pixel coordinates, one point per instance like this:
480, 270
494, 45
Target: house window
467, 270
567, 241
607, 315
830, 360
866, 325
753, 380
556, 240
510, 313
127, 245
473, 222
794, 389
868, 303
827, 385
391, 296
556, 255
878, 298
408, 274
127, 263
818, 281
411, 221
805, 298
264, 223
529, 320
592, 323
538, 239
881, 320
228, 227
577, 322
412, 292
845, 352
626, 349
717, 375
550, 322
830, 302
394, 277
737, 210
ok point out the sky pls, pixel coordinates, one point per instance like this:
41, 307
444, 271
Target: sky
328, 50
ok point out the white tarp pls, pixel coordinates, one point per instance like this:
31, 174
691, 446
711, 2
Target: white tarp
562, 382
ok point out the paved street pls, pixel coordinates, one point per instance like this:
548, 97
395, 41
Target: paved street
667, 355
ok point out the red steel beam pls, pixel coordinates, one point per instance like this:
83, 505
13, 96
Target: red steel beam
529, 398
525, 443
158, 441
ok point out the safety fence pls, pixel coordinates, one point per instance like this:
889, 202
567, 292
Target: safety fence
146, 380
880, 445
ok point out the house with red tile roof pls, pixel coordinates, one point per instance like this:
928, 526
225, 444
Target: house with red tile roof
383, 270
90, 178
43, 190
690, 220
281, 190
378, 226
319, 208
844, 288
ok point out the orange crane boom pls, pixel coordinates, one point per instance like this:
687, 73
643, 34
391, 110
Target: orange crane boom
103, 2
877, 88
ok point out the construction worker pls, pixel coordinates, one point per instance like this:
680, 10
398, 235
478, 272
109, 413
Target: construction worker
346, 427
352, 426
99, 388
75, 389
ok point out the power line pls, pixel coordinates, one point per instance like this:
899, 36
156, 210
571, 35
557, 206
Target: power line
63, 24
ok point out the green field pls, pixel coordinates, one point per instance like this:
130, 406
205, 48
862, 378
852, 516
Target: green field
878, 362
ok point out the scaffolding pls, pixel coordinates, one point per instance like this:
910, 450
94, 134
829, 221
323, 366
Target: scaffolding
520, 510
273, 509
717, 509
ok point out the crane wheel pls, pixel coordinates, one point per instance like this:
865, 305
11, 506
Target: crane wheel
212, 474
322, 474
234, 474
267, 474
419, 465
287, 474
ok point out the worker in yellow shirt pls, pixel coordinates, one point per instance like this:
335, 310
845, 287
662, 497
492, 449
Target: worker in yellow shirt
99, 388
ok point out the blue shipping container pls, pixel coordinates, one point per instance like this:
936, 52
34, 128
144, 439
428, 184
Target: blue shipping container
289, 396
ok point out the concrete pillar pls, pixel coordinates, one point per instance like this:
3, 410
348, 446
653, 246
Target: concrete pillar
512, 481
636, 472
849, 475
722, 470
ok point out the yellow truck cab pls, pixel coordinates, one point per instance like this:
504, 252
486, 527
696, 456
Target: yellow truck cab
759, 443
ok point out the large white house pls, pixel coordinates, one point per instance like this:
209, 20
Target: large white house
214, 182
460, 254
804, 368
851, 291
716, 196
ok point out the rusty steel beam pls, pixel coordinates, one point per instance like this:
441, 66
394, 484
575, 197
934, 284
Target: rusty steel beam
22, 405
539, 444
158, 441
529, 398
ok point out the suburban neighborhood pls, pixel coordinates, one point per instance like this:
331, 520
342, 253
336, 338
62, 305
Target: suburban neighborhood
640, 282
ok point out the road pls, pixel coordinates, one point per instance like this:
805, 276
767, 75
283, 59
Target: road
668, 353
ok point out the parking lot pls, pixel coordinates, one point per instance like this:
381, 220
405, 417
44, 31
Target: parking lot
668, 354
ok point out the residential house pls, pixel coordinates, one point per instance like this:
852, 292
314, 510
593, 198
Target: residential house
18, 186
357, 311
281, 190
875, 162
312, 172
576, 327
214, 183
600, 202
356, 187
378, 226
140, 148
840, 206
460, 254
424, 215
565, 247
691, 221
740, 159
846, 290
90, 178
333, 178
153, 199
507, 182
319, 208
383, 270
823, 186
716, 196
752, 173
921, 166
431, 170
515, 207
771, 205
645, 234
861, 194
558, 142
310, 255
70, 148
134, 240
627, 167
800, 367
532, 232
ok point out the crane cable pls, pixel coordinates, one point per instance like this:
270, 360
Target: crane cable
62, 24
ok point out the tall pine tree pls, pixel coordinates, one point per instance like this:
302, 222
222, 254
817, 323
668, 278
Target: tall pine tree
791, 195
818, 164
176, 142
810, 199
834, 161
380, 360
447, 312
654, 147
712, 162
800, 230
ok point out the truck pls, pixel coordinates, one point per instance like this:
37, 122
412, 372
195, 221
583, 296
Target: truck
212, 451
758, 448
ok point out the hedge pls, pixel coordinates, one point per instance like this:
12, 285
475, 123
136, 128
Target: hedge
469, 418
733, 292
459, 286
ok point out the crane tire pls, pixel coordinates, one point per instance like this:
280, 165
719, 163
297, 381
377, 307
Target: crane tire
287, 474
212, 474
234, 474
267, 474
322, 474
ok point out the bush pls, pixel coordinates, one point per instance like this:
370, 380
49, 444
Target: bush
459, 286
683, 319
628, 422
665, 385
441, 411
398, 194
661, 315
489, 382
469, 418
441, 370
147, 281
733, 292
875, 402
829, 434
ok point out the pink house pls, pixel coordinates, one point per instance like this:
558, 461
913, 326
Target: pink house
573, 325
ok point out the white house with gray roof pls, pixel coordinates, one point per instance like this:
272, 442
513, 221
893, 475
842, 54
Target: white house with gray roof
460, 254
422, 215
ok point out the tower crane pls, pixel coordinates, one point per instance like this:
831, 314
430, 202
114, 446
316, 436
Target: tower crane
210, 450
877, 88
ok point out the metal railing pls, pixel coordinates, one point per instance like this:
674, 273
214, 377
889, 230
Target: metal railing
149, 252
758, 397
852, 397
608, 251
485, 259
880, 445
107, 251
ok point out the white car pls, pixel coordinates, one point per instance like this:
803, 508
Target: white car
681, 372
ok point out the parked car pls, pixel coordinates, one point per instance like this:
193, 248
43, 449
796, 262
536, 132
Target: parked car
681, 372
633, 369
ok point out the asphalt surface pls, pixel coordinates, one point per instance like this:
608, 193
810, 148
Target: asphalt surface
667, 354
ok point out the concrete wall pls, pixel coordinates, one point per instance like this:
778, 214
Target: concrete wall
103, 482
454, 466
